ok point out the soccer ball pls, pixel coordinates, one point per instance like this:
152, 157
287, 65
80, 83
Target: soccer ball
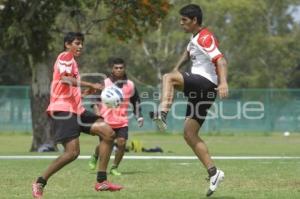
286, 133
112, 96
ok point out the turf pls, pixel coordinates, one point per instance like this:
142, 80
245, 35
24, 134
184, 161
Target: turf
166, 179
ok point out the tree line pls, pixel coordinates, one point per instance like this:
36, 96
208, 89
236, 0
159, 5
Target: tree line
260, 39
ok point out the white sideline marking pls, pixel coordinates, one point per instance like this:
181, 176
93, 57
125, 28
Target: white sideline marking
85, 157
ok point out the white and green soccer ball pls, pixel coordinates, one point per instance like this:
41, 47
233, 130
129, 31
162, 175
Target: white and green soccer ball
112, 96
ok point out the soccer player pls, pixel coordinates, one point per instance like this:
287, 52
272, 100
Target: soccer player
117, 118
206, 78
69, 117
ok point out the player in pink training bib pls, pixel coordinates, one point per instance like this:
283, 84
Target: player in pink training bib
69, 118
117, 118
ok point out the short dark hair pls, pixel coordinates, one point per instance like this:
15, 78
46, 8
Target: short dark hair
71, 36
191, 11
116, 60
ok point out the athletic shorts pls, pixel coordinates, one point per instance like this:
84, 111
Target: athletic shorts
122, 132
201, 95
68, 126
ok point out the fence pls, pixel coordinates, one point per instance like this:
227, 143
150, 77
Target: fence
246, 110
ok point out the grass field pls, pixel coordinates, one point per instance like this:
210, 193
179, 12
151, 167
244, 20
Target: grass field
164, 179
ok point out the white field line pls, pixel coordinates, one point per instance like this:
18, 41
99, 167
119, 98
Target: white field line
84, 157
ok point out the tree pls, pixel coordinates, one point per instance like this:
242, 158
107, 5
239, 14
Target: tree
30, 25
162, 47
27, 34
10, 65
155, 53
258, 38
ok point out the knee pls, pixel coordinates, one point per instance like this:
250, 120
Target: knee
108, 134
73, 155
167, 77
188, 137
121, 142
104, 131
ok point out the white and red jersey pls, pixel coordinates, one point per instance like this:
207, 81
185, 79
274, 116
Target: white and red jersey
204, 53
117, 117
64, 97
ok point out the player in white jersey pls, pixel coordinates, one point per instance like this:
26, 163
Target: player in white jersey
206, 78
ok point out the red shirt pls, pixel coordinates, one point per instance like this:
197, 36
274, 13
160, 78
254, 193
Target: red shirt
64, 97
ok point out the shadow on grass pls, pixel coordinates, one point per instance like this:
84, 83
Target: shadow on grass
123, 172
96, 195
217, 197
133, 172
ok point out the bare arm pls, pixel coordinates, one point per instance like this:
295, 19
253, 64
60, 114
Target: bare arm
221, 67
182, 60
96, 109
88, 91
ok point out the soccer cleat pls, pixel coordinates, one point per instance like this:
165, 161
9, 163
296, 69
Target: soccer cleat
115, 172
214, 182
107, 186
160, 120
37, 190
93, 162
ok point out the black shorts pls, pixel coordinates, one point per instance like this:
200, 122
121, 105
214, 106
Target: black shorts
122, 132
201, 95
68, 126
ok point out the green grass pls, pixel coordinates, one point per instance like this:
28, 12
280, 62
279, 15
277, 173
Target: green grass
164, 179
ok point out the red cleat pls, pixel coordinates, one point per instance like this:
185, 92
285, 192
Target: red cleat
107, 186
37, 190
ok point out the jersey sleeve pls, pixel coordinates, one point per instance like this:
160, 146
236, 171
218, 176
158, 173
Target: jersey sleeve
65, 64
209, 44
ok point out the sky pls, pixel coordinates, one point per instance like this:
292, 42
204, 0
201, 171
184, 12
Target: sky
296, 14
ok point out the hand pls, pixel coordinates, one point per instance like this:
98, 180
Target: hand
140, 122
222, 90
97, 86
